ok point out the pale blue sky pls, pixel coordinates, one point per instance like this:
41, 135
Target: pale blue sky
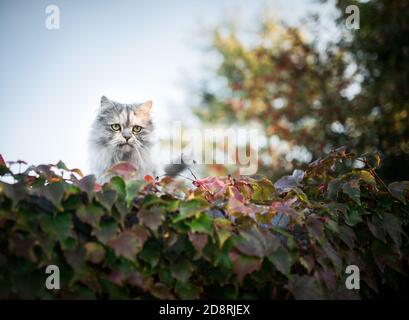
51, 80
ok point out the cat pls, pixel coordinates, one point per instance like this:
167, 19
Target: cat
124, 132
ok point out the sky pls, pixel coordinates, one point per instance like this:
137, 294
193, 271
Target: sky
51, 81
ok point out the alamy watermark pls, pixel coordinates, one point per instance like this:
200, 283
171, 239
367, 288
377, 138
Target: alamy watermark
216, 145
352, 282
52, 282
52, 20
352, 22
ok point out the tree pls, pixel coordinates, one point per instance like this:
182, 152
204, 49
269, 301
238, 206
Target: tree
298, 94
380, 48
287, 86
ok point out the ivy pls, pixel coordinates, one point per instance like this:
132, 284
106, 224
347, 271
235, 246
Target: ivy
219, 238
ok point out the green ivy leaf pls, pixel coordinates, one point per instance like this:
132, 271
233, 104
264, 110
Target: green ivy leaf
352, 218
351, 188
281, 259
202, 224
191, 208
105, 231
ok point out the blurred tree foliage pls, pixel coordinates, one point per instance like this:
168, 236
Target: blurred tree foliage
381, 110
299, 94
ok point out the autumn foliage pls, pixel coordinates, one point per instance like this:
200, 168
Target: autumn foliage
222, 237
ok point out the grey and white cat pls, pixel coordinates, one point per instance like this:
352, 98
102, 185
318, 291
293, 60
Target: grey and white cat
124, 132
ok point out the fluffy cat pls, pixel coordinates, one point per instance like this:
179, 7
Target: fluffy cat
124, 132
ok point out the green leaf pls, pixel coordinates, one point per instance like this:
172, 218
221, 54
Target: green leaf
187, 291
392, 225
202, 224
223, 228
351, 188
181, 270
118, 184
151, 252
132, 189
281, 259
90, 214
352, 218
191, 208
107, 197
61, 165
334, 187
105, 231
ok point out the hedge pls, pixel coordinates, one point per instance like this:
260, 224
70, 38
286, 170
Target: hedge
220, 238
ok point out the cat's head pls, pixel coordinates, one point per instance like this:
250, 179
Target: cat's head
123, 127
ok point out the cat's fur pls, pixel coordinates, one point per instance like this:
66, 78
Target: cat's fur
107, 147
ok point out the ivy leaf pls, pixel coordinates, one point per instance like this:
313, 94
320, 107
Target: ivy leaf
94, 252
383, 256
263, 189
351, 188
161, 291
151, 252
87, 184
107, 197
281, 259
90, 214
118, 184
250, 242
352, 218
132, 189
151, 218
105, 231
392, 225
16, 192
124, 169
333, 255
288, 183
22, 247
315, 228
223, 228
181, 270
202, 224
305, 288
244, 265
399, 190
53, 192
191, 208
347, 235
198, 240
61, 165
334, 187
187, 291
127, 244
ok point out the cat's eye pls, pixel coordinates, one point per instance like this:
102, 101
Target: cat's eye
116, 126
136, 129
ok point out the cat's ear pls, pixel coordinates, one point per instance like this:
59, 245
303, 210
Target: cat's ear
105, 102
146, 107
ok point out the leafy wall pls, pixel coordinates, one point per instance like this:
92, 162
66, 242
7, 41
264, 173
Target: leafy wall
223, 237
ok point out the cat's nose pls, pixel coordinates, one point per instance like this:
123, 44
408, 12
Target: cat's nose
127, 135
